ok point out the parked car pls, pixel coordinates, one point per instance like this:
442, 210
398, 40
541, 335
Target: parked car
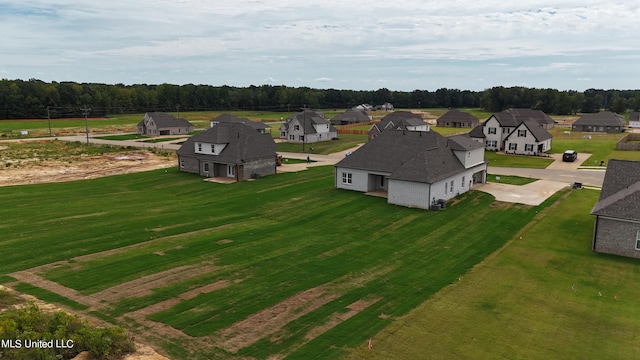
570, 155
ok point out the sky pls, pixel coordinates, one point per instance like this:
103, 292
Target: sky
400, 45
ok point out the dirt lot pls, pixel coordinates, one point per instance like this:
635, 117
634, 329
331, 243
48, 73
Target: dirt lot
36, 171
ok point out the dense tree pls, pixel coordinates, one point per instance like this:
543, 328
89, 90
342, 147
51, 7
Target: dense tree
30, 99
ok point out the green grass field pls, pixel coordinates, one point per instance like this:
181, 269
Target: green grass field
269, 241
325, 147
512, 180
544, 296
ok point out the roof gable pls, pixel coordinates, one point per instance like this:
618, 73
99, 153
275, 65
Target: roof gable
457, 116
164, 120
620, 193
406, 155
538, 132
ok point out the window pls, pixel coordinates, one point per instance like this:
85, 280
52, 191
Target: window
513, 146
492, 130
213, 148
199, 147
283, 134
528, 147
522, 133
505, 130
181, 163
638, 240
292, 137
206, 167
462, 182
301, 137
296, 127
491, 144
445, 188
347, 178
451, 187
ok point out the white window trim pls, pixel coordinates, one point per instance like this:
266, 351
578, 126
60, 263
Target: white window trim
638, 240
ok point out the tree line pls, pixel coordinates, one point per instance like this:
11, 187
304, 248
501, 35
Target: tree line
33, 98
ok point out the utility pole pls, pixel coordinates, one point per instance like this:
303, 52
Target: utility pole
85, 111
304, 121
49, 119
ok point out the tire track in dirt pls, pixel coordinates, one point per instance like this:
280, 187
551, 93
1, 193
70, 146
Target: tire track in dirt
270, 320
39, 281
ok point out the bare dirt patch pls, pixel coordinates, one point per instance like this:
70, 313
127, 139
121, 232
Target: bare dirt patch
35, 171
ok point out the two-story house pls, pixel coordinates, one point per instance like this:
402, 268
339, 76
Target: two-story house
307, 127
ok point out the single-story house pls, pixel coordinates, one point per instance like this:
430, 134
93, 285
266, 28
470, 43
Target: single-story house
399, 120
159, 123
528, 138
617, 223
455, 118
307, 127
494, 132
604, 121
634, 120
260, 127
229, 150
351, 116
413, 168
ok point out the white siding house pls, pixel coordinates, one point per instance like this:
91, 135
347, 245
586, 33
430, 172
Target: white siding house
528, 138
414, 169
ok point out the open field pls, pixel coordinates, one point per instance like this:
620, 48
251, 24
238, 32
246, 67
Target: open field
286, 265
344, 142
544, 296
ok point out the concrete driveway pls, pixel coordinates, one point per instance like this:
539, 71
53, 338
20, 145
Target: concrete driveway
534, 193
558, 164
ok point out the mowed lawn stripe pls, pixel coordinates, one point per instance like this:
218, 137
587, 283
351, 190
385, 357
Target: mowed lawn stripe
284, 235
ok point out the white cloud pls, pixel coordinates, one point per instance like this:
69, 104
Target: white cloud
339, 42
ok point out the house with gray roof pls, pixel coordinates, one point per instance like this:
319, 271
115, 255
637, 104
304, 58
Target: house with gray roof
617, 212
351, 116
634, 119
455, 118
538, 116
260, 127
159, 123
500, 126
307, 127
604, 121
528, 138
413, 168
229, 150
399, 120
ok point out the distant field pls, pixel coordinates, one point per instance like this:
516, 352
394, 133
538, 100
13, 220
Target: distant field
286, 265
344, 142
544, 296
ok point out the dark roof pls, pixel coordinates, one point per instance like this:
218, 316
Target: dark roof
457, 116
243, 143
634, 116
400, 119
514, 116
620, 193
538, 132
538, 115
228, 118
477, 132
351, 116
464, 142
164, 120
407, 155
307, 119
603, 118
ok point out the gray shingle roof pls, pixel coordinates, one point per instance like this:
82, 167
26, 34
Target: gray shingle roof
538, 132
400, 119
351, 116
634, 116
603, 118
620, 195
457, 116
407, 155
228, 118
307, 119
477, 132
243, 143
164, 120
512, 117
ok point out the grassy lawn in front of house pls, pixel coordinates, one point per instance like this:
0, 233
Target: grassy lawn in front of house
517, 161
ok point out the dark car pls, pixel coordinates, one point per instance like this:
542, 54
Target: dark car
570, 155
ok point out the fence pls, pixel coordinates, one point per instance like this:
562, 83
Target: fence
630, 141
349, 129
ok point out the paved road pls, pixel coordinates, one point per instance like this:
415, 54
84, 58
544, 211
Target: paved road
586, 177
